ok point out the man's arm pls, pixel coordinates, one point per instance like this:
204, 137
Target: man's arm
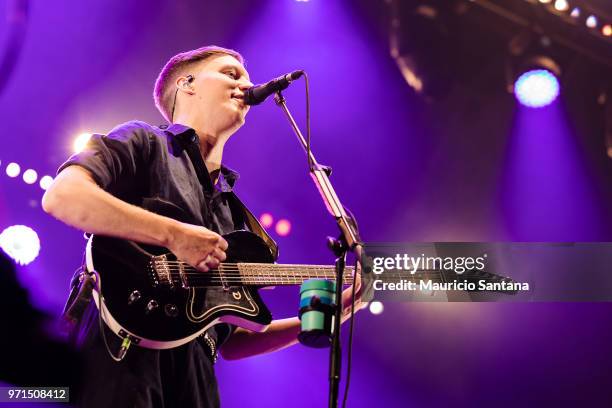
76, 199
281, 333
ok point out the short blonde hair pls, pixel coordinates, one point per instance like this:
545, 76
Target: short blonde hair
165, 91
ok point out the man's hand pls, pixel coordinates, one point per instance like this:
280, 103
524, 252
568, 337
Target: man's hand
199, 247
347, 295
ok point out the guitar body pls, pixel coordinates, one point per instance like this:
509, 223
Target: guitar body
142, 291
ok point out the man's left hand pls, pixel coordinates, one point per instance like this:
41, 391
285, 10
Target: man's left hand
347, 295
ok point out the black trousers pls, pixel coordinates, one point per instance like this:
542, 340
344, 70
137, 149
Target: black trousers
178, 377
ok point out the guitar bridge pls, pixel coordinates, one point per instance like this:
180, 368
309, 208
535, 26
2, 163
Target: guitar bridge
162, 275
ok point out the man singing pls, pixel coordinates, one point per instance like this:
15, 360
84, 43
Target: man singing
121, 183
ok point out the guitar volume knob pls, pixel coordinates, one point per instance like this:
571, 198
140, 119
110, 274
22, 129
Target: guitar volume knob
151, 306
134, 296
171, 310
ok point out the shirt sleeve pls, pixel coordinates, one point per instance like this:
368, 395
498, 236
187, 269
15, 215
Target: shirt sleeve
115, 159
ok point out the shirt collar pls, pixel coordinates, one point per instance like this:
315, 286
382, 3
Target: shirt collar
227, 176
183, 132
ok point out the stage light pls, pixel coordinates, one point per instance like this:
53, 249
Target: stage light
30, 176
561, 5
283, 228
607, 30
376, 307
591, 21
13, 170
80, 142
536, 88
45, 182
575, 12
545, 1
20, 243
427, 70
266, 220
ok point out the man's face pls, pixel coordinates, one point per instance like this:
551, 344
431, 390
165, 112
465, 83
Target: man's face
219, 86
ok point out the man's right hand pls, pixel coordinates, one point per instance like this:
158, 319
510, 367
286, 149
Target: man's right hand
198, 246
76, 199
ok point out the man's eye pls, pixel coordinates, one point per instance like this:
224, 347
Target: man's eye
232, 74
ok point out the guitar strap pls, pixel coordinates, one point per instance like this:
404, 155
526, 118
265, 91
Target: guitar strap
254, 226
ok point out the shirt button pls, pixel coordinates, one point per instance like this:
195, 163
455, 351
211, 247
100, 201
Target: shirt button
194, 138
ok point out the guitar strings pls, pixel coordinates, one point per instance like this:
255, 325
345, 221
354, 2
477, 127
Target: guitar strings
288, 272
239, 278
246, 273
262, 265
276, 269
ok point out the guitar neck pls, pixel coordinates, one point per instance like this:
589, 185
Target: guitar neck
244, 273
282, 274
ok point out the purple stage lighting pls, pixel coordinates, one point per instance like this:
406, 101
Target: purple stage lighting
20, 243
283, 228
30, 176
536, 88
266, 220
45, 182
13, 170
376, 307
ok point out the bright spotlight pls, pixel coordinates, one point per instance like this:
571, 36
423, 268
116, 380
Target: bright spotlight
561, 5
45, 182
283, 228
266, 220
20, 243
536, 88
591, 21
80, 142
30, 176
607, 30
575, 12
13, 170
376, 307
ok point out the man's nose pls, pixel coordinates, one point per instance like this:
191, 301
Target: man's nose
246, 84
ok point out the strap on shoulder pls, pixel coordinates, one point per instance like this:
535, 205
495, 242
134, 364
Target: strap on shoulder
256, 227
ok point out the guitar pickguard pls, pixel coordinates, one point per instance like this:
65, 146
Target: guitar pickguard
202, 304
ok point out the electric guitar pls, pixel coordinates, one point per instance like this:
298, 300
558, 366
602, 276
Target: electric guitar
146, 295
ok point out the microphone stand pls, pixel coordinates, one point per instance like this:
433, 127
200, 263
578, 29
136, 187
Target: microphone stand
348, 241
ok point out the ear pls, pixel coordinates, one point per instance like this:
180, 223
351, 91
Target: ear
184, 83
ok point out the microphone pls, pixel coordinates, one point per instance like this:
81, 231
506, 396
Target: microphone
258, 93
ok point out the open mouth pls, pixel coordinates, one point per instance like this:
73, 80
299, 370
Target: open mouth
239, 98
